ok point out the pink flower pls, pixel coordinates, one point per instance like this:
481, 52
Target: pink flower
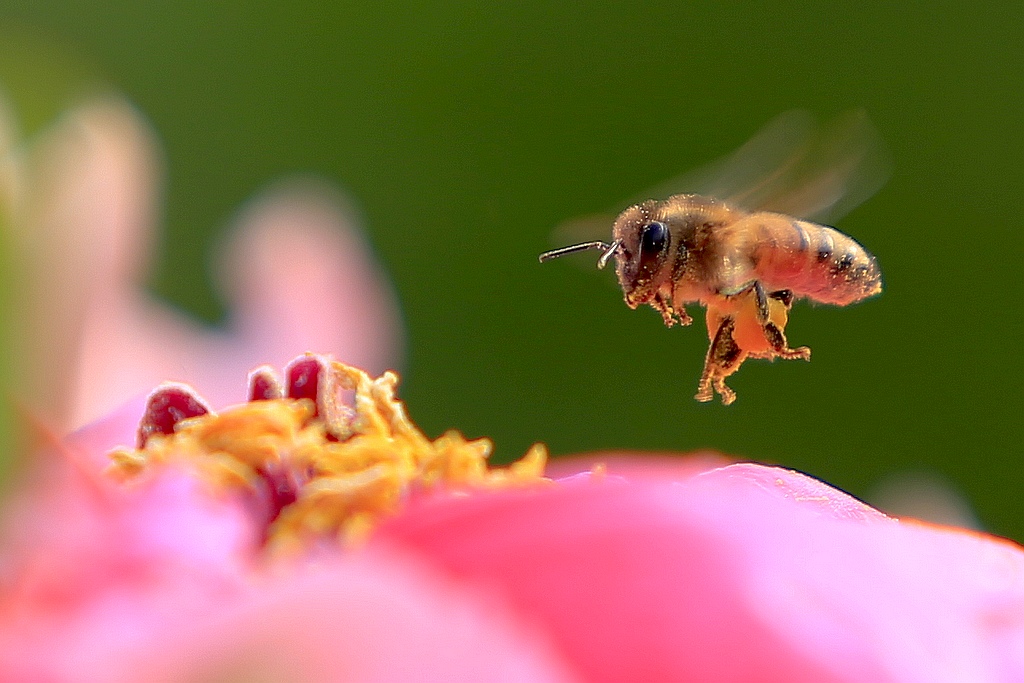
645, 572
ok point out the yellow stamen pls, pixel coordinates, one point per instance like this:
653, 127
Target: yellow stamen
335, 478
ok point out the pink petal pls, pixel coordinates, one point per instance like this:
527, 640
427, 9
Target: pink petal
296, 273
91, 445
366, 617
297, 266
80, 227
92, 571
160, 583
741, 573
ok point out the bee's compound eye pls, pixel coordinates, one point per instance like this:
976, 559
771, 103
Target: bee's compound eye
653, 239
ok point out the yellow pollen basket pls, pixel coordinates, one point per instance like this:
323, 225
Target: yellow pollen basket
327, 471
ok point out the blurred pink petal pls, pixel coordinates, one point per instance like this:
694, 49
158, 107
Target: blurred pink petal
294, 266
165, 582
92, 572
296, 274
81, 196
367, 617
740, 573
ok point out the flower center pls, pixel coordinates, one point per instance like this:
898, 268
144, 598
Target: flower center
314, 466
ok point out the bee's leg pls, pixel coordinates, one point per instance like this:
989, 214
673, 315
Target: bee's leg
683, 316
773, 332
777, 338
760, 298
763, 312
663, 304
724, 358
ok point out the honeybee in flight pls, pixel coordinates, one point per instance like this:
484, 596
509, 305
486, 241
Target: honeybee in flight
746, 256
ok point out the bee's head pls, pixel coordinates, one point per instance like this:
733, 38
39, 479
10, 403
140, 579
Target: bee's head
642, 254
640, 247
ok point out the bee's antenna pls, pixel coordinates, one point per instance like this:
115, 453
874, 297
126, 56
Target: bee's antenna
608, 249
572, 249
608, 253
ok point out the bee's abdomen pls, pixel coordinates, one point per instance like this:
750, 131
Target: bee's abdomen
818, 262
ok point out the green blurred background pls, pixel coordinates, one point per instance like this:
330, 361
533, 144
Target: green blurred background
466, 131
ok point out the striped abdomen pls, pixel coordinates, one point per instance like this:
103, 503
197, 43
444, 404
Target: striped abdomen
813, 260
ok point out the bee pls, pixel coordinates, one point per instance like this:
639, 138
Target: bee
742, 261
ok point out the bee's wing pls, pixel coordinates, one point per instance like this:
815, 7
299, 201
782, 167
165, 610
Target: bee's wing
792, 166
796, 167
